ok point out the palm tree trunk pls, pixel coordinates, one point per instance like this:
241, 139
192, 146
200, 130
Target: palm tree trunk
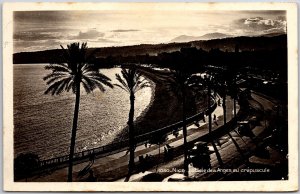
184, 131
158, 156
74, 129
210, 128
224, 108
131, 136
233, 140
234, 97
234, 107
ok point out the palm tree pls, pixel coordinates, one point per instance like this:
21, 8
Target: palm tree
131, 81
222, 87
158, 138
180, 83
208, 82
232, 75
69, 76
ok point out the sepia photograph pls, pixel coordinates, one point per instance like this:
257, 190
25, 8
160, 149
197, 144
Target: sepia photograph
116, 96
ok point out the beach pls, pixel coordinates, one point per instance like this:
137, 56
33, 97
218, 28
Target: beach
164, 108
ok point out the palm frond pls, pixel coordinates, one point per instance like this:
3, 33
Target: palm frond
140, 83
131, 80
102, 80
100, 86
62, 86
126, 74
54, 87
141, 86
123, 82
54, 74
55, 78
65, 52
122, 87
75, 69
87, 86
70, 84
51, 65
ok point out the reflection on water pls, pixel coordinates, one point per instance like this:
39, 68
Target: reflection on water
42, 123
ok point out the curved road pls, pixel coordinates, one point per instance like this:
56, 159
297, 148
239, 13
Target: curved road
230, 155
113, 167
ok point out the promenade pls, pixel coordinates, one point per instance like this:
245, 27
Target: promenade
115, 166
242, 162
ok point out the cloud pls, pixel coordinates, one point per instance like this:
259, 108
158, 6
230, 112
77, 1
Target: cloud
122, 30
40, 16
90, 34
262, 12
260, 25
103, 40
35, 36
26, 46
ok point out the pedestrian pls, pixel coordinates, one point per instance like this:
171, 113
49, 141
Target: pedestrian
168, 146
215, 120
175, 133
216, 123
165, 153
92, 157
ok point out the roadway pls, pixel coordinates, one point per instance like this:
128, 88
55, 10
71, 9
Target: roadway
114, 167
236, 165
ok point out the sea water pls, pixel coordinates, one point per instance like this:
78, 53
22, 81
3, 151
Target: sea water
43, 123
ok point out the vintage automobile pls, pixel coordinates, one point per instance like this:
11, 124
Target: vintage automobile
199, 155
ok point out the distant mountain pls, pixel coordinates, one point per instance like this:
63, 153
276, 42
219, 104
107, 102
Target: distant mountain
214, 36
273, 34
209, 36
185, 38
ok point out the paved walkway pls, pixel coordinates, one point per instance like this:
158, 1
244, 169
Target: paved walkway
113, 167
230, 155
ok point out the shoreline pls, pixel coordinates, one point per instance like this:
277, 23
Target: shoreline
162, 97
163, 109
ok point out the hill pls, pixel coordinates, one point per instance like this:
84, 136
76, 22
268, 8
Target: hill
225, 44
210, 36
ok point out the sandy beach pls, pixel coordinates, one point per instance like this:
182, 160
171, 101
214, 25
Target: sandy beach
164, 108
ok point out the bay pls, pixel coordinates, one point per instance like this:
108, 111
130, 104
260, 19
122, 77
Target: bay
42, 123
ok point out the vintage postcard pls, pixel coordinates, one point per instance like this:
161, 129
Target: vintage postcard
150, 96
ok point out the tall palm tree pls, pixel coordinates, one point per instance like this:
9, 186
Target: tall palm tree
221, 86
158, 138
208, 82
232, 73
180, 83
131, 81
74, 72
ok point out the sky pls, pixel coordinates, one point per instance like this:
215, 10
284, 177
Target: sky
42, 30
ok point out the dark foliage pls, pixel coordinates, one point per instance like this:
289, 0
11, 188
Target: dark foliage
25, 165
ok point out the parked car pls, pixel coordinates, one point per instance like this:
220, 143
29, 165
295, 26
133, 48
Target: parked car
200, 155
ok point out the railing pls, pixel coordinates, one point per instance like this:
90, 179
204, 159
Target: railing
123, 145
